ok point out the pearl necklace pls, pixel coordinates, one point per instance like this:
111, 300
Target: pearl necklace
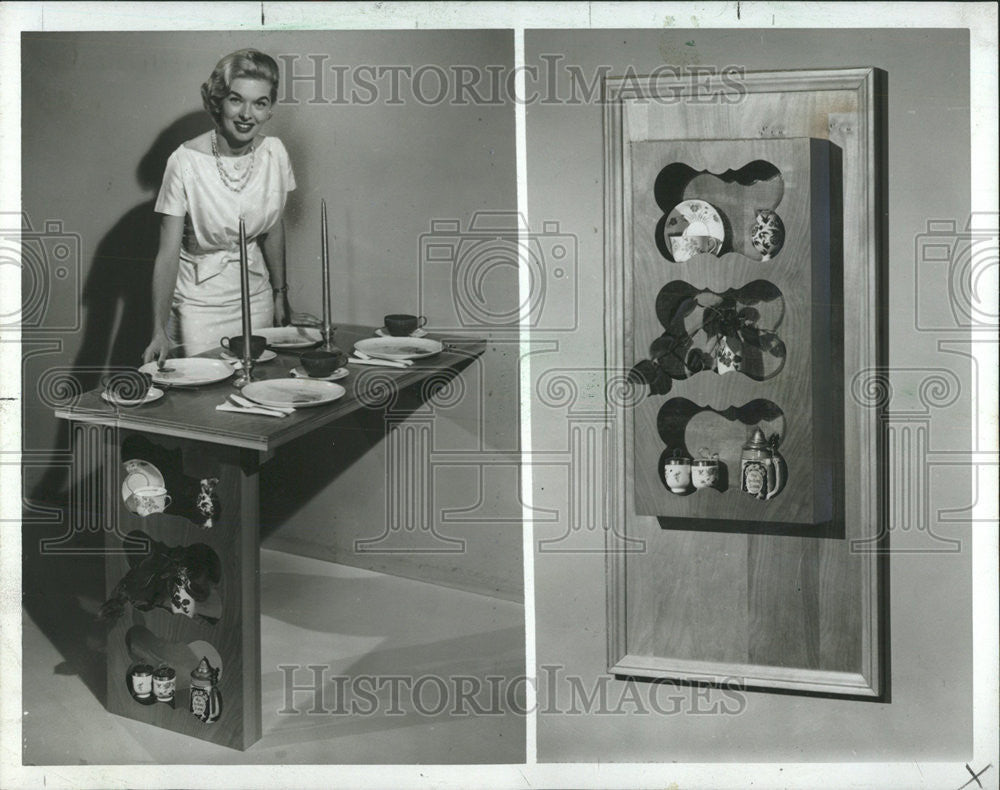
237, 183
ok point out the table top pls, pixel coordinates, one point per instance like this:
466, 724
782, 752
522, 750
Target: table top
191, 413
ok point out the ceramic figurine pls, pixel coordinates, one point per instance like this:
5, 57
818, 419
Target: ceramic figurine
726, 359
767, 233
760, 468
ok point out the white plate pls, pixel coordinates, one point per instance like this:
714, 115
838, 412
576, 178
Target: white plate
291, 336
267, 356
383, 332
399, 347
294, 393
189, 371
153, 394
338, 374
140, 474
695, 218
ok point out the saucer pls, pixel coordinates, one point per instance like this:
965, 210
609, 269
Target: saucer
300, 373
383, 332
267, 356
154, 393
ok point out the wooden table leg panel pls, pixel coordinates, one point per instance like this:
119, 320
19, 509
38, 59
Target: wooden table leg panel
236, 635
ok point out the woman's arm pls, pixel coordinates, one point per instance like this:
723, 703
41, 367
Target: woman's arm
273, 247
164, 283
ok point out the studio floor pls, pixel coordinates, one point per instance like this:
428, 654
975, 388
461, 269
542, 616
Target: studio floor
352, 622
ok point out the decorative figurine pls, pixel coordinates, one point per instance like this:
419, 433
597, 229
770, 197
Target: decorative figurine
760, 468
767, 233
206, 700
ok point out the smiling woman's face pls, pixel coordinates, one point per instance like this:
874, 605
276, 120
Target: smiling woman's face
245, 110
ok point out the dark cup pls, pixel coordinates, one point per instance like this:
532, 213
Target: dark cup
234, 345
401, 325
321, 363
127, 384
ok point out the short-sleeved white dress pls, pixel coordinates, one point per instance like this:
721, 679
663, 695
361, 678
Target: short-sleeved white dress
206, 302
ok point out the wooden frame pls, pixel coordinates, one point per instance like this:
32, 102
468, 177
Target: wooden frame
750, 603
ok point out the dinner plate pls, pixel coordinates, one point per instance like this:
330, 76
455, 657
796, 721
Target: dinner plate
140, 474
399, 347
189, 371
154, 393
383, 332
300, 373
282, 337
295, 393
267, 356
695, 218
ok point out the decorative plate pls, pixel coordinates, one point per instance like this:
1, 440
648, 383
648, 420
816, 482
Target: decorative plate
300, 373
383, 332
695, 218
267, 356
293, 393
399, 348
154, 393
284, 337
189, 371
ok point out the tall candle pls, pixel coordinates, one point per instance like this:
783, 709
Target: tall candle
325, 250
245, 296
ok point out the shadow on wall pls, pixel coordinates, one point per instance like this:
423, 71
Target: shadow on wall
117, 295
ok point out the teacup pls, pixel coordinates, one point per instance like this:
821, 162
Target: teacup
319, 363
685, 247
234, 345
164, 683
127, 385
142, 680
677, 473
148, 500
704, 472
401, 325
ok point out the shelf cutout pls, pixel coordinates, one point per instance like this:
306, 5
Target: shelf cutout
183, 580
153, 482
692, 431
145, 647
731, 332
744, 206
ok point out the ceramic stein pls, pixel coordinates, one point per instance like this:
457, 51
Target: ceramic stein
677, 473
206, 699
767, 233
760, 470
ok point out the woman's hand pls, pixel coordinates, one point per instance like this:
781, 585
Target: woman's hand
282, 311
158, 347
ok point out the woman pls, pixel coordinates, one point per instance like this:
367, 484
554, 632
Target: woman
209, 182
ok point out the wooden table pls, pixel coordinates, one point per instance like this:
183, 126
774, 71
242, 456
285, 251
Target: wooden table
204, 443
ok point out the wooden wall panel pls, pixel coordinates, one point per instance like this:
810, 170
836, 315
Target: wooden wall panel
768, 604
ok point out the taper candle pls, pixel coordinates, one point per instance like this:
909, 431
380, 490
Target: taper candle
245, 302
325, 251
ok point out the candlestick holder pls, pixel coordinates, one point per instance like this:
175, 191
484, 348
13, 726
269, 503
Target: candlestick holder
244, 373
